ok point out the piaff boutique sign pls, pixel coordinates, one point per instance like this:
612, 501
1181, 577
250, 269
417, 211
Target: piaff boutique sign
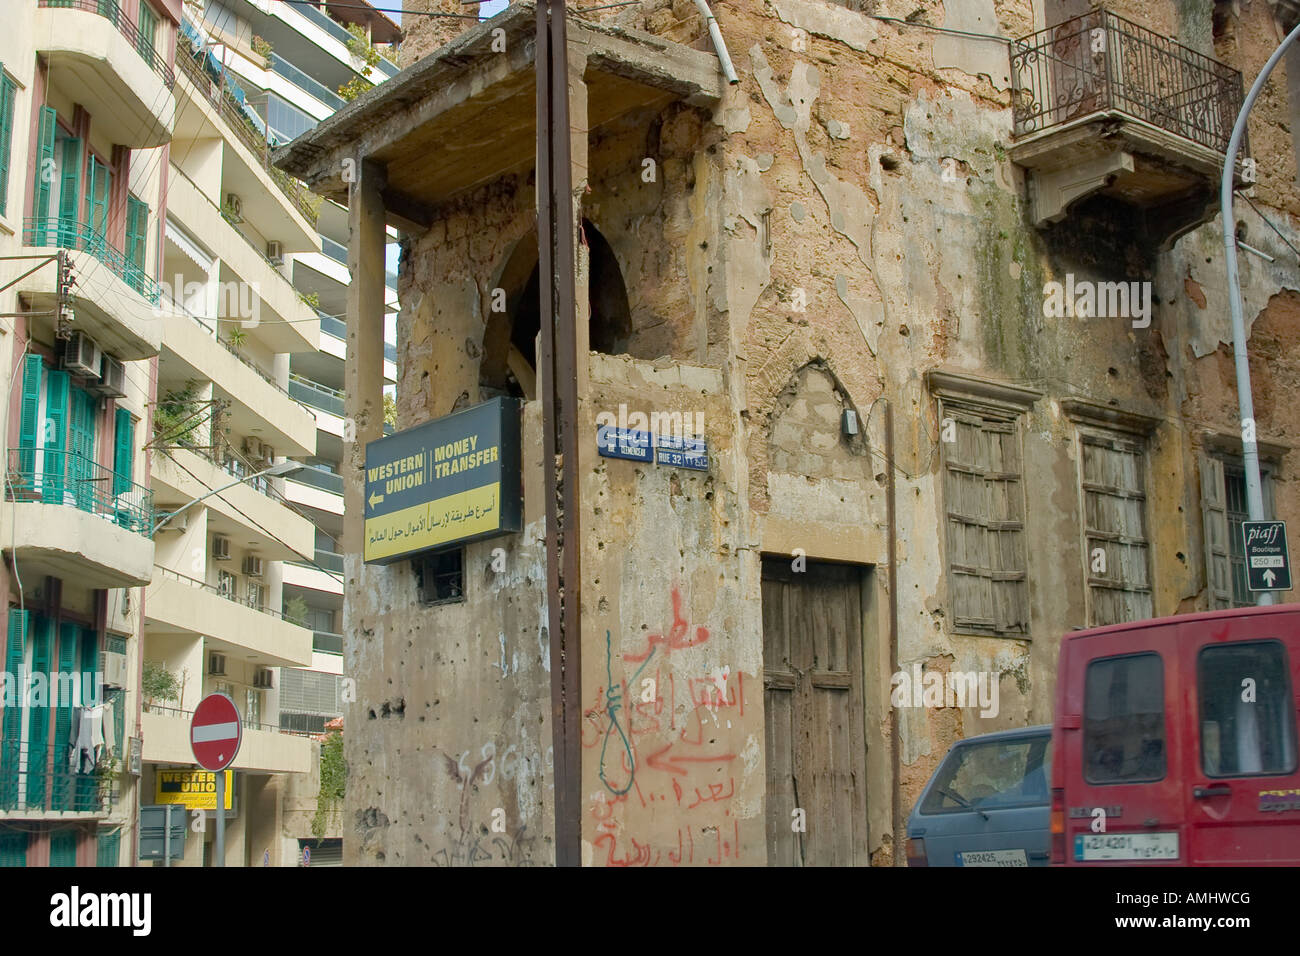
448, 481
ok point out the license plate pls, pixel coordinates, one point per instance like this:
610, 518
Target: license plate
1125, 846
992, 858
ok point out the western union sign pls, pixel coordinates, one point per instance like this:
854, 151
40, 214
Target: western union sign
192, 789
448, 481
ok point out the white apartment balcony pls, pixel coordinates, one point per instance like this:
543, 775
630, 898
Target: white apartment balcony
316, 488
72, 518
178, 604
166, 733
286, 323
259, 406
114, 302
96, 55
276, 204
242, 512
309, 576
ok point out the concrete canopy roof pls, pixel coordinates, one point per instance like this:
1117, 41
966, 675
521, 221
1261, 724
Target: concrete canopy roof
465, 115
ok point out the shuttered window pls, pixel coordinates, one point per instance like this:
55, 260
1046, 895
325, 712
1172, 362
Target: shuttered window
310, 692
13, 848
1112, 476
1223, 509
7, 94
29, 417
985, 506
63, 848
148, 31
123, 452
54, 457
44, 173
109, 848
11, 741
70, 193
99, 187
137, 241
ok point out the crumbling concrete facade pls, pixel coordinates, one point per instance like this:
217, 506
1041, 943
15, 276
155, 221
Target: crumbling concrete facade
842, 237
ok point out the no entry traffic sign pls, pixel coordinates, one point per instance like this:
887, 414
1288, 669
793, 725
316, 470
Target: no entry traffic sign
215, 732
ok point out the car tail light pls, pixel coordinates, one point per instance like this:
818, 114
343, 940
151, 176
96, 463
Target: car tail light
916, 852
1058, 826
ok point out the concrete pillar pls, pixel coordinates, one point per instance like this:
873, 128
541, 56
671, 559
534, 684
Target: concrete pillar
363, 375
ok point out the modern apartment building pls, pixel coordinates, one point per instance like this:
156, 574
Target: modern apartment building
88, 106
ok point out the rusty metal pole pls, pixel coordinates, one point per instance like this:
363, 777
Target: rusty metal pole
556, 237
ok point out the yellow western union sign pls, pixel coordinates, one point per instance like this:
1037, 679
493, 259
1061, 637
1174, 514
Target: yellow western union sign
450, 480
434, 523
192, 789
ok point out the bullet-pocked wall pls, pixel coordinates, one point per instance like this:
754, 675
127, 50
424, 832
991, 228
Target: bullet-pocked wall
846, 232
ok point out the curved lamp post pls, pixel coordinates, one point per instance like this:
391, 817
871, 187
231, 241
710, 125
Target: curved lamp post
1245, 403
275, 471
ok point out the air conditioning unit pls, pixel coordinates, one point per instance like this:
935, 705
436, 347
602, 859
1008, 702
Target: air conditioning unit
253, 566
178, 523
217, 664
221, 547
112, 379
235, 205
113, 666
275, 251
264, 678
81, 355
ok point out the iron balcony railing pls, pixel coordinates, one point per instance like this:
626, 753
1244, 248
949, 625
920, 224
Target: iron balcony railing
326, 642
339, 330
59, 477
304, 82
72, 234
221, 592
319, 478
41, 779
315, 394
1100, 62
111, 11
212, 89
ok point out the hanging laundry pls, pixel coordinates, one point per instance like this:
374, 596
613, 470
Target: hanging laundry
87, 738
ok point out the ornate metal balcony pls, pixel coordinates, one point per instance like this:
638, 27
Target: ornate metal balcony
1101, 104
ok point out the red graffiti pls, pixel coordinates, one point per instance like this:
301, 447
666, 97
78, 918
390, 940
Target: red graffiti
677, 639
660, 760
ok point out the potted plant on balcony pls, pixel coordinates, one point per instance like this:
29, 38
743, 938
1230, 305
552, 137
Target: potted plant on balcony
158, 684
262, 47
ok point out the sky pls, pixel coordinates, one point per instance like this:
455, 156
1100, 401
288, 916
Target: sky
489, 8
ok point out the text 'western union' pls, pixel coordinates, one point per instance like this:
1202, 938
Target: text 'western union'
401, 474
457, 456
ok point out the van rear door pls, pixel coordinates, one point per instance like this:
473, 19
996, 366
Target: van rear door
1243, 782
1125, 754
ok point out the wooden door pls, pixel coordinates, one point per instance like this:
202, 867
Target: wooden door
812, 679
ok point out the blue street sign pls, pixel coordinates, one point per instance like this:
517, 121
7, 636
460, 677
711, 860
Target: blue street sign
627, 443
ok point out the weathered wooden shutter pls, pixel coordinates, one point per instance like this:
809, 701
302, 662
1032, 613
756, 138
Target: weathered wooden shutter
44, 161
124, 439
6, 137
54, 455
28, 418
109, 847
69, 228
1214, 523
1114, 502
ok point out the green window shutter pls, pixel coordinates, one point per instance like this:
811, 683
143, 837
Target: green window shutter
137, 241
10, 743
98, 188
81, 448
148, 29
70, 194
63, 721
6, 137
88, 784
33, 369
109, 848
123, 452
38, 724
54, 457
13, 848
44, 161
63, 848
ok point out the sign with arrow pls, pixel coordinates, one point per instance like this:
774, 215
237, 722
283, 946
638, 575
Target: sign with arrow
1268, 562
448, 481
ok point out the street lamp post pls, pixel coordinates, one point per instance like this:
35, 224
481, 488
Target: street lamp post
1245, 402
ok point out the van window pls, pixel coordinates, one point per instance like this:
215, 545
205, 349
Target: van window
998, 773
1247, 720
1124, 719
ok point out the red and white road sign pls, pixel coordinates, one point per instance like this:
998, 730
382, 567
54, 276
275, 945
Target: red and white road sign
215, 732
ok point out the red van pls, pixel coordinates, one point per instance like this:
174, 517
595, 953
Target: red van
1174, 742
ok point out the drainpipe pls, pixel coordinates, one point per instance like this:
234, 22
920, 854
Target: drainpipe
1245, 402
895, 732
719, 45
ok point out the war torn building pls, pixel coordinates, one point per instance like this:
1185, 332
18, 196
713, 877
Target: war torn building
945, 282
